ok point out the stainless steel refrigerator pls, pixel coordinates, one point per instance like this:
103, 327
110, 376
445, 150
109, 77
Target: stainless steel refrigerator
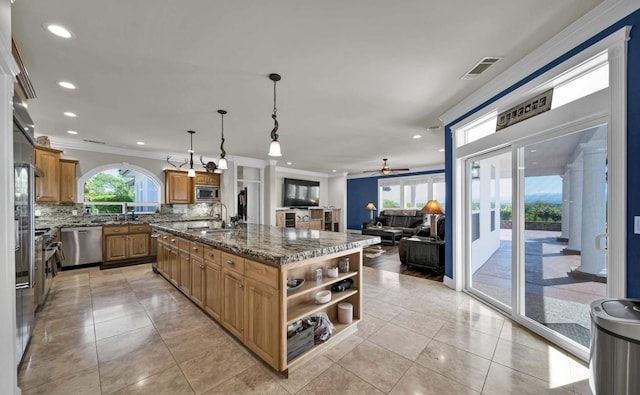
24, 224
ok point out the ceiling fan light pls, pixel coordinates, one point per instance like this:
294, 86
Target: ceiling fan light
191, 173
274, 148
222, 164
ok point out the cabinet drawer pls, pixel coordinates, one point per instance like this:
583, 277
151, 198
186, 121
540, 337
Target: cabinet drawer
115, 230
233, 262
139, 229
183, 244
262, 273
196, 250
211, 256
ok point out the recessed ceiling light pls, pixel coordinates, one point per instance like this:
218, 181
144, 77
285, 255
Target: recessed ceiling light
441, 150
70, 114
533, 150
67, 85
140, 143
289, 163
58, 30
72, 132
417, 136
334, 170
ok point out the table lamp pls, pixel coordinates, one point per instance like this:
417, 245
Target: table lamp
433, 208
371, 207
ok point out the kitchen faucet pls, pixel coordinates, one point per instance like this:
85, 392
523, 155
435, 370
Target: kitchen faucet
218, 217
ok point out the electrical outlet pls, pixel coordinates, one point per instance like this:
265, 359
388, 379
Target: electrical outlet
74, 212
38, 213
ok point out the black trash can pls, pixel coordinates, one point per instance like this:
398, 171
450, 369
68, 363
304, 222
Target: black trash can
614, 363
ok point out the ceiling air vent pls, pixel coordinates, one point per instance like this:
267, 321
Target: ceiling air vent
94, 141
481, 67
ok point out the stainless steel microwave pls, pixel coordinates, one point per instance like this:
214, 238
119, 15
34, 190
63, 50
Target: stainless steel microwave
206, 194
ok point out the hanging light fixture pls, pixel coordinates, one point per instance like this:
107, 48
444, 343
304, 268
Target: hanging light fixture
274, 148
222, 163
191, 172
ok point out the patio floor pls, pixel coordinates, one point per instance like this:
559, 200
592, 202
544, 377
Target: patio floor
551, 297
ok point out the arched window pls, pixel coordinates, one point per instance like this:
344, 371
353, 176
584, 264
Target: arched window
120, 189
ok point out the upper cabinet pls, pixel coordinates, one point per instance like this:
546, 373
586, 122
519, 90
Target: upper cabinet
68, 180
58, 181
207, 179
179, 187
48, 185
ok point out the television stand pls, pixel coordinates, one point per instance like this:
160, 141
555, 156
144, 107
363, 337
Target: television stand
315, 218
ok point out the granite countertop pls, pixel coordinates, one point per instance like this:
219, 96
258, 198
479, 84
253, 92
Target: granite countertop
108, 220
268, 244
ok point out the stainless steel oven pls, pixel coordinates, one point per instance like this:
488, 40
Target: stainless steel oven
206, 194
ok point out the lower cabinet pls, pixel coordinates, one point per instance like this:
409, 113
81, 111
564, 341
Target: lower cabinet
126, 242
212, 287
233, 302
262, 330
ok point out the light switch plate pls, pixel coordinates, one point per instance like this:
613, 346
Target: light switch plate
636, 225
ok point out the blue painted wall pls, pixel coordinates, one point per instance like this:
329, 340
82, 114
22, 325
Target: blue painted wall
362, 191
633, 145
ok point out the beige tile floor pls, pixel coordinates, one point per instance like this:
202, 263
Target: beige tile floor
128, 331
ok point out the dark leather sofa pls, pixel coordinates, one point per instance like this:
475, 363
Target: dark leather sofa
408, 221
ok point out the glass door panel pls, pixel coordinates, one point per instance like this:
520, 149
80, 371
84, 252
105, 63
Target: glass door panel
565, 205
490, 248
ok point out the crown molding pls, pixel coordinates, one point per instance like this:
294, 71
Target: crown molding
598, 19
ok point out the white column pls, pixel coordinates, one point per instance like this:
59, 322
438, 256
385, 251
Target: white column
566, 204
593, 207
575, 218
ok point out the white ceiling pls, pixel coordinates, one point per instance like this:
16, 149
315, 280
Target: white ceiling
360, 78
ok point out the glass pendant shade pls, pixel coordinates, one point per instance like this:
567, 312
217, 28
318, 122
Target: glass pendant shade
274, 148
222, 164
191, 173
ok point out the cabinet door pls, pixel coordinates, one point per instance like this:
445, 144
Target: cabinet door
139, 245
279, 219
174, 265
212, 291
261, 334
197, 280
67, 181
160, 257
115, 247
184, 264
233, 303
48, 186
178, 187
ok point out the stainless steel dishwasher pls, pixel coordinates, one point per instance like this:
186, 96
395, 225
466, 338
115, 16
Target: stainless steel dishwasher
82, 245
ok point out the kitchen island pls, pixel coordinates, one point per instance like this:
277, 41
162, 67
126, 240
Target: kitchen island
239, 278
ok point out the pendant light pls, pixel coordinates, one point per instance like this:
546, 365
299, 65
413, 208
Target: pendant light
274, 148
222, 163
191, 172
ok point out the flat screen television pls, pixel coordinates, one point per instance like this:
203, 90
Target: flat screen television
300, 193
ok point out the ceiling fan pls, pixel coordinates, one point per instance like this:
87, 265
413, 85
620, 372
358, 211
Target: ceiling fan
386, 170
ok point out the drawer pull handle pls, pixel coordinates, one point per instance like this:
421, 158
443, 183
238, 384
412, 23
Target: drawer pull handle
173, 240
210, 254
195, 248
230, 262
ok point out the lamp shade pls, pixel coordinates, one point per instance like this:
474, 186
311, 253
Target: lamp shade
370, 206
191, 173
432, 207
222, 164
274, 148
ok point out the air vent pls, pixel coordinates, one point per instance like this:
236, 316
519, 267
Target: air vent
481, 67
94, 141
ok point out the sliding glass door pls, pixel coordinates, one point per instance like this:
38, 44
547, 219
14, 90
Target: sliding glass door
490, 234
536, 245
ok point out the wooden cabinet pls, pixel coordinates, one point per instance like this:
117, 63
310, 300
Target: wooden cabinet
48, 185
313, 218
198, 280
232, 316
126, 243
212, 302
262, 331
68, 180
207, 179
178, 187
